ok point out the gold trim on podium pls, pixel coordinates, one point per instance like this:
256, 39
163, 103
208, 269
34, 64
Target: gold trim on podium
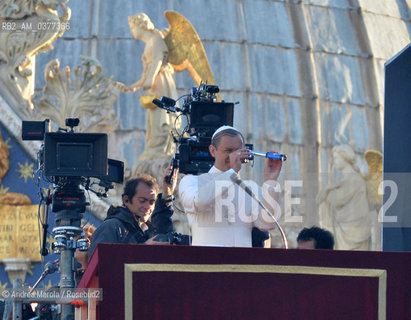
246, 268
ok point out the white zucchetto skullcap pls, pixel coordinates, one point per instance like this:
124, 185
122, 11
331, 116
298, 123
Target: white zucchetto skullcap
222, 128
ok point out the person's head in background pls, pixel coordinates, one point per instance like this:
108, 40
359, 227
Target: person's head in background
315, 238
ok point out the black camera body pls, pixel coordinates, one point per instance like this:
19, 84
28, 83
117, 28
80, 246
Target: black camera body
172, 238
194, 156
70, 159
204, 115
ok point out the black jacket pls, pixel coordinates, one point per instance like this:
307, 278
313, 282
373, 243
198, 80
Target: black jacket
120, 226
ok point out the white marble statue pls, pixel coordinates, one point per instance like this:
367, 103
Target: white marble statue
345, 204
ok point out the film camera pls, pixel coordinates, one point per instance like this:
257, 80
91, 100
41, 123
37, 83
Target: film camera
204, 115
70, 159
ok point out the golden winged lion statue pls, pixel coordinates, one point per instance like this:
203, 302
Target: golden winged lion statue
166, 51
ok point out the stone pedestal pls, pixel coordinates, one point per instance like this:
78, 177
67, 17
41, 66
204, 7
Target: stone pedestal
16, 268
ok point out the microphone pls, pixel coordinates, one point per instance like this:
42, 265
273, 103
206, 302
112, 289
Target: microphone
51, 266
234, 178
270, 155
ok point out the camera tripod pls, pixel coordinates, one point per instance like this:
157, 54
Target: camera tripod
68, 203
68, 228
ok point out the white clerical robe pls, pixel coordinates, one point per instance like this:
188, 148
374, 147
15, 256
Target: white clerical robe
220, 213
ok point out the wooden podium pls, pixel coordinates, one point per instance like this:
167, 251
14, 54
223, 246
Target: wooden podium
181, 282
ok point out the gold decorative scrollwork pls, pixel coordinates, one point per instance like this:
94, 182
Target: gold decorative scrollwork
84, 93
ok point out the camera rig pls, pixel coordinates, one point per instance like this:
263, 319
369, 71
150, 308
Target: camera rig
204, 115
73, 162
70, 160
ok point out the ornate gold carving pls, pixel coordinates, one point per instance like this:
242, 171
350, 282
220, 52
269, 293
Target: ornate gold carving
21, 39
84, 93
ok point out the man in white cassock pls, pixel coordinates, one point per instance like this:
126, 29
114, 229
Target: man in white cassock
219, 212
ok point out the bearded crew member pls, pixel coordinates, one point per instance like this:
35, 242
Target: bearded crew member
219, 212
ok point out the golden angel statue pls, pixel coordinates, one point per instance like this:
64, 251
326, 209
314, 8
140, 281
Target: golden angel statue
165, 52
347, 211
